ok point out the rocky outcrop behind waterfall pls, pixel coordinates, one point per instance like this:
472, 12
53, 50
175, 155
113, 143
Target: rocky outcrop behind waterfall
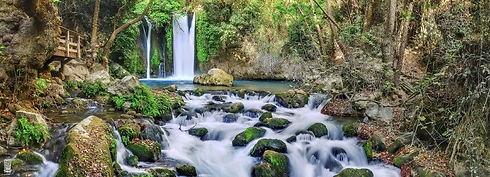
29, 32
214, 76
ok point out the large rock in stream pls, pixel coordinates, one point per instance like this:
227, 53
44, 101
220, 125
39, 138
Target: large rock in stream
214, 76
275, 164
292, 98
87, 152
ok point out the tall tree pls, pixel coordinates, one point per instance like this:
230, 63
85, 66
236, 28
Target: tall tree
318, 30
93, 40
105, 52
389, 39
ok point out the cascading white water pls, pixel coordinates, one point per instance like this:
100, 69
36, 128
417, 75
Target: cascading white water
148, 46
308, 156
122, 153
183, 47
47, 169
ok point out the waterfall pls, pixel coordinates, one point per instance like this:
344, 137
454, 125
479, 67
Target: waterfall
148, 46
161, 70
48, 168
183, 47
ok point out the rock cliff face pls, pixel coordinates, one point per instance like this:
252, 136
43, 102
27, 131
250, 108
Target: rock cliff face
29, 33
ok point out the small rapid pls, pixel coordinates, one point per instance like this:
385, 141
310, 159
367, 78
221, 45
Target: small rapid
309, 156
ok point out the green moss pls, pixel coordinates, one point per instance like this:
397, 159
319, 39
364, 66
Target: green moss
30, 158
368, 149
130, 129
199, 132
248, 135
265, 115
199, 92
279, 162
268, 144
132, 160
146, 150
67, 154
292, 98
237, 107
276, 123
350, 130
318, 129
163, 172
352, 172
186, 170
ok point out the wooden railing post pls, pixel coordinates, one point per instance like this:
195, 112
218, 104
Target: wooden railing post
67, 43
79, 54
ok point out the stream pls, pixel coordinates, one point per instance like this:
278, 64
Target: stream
214, 155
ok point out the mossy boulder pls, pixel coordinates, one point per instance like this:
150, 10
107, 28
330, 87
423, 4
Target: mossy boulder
400, 142
318, 129
30, 157
268, 144
237, 107
146, 150
214, 76
350, 130
248, 135
163, 172
132, 160
368, 149
378, 141
353, 172
252, 113
198, 132
186, 170
265, 115
199, 92
276, 123
292, 98
129, 129
87, 152
269, 107
275, 164
401, 160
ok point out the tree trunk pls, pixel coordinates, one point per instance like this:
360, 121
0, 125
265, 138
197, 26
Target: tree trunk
403, 43
389, 40
318, 31
105, 52
93, 40
368, 21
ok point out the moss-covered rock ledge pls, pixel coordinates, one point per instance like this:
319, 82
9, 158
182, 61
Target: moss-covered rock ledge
87, 151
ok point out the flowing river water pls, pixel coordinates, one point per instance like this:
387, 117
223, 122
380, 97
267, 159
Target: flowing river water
215, 156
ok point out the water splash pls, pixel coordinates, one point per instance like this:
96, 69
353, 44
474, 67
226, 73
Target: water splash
48, 168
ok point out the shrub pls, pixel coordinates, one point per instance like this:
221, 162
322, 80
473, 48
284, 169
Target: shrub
27, 132
94, 88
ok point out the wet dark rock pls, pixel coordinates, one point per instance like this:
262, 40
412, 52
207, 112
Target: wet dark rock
146, 150
291, 139
276, 123
199, 110
198, 132
252, 113
351, 172
269, 107
229, 118
292, 98
237, 107
188, 115
379, 141
318, 129
275, 164
268, 144
318, 99
265, 115
248, 135
186, 170
219, 98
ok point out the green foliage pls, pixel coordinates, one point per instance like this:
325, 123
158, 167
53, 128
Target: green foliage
92, 89
161, 10
40, 86
1, 50
71, 84
144, 101
116, 72
125, 140
221, 25
27, 132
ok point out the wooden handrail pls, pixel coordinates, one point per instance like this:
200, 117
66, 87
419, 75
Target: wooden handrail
67, 46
